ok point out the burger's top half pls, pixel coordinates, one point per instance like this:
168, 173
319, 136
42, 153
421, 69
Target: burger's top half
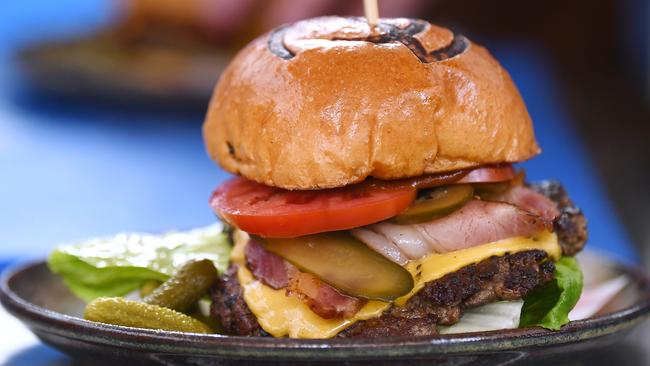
376, 194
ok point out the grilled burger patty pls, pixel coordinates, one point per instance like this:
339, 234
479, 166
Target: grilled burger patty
571, 225
228, 306
442, 301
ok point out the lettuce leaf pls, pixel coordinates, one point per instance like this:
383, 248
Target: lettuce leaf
118, 265
549, 306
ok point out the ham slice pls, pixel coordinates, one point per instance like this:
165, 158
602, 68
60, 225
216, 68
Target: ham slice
275, 272
405, 237
529, 200
520, 211
381, 245
480, 222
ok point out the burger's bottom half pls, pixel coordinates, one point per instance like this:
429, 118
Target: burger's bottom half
501, 246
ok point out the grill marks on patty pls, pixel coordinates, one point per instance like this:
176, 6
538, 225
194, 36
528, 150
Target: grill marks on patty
229, 307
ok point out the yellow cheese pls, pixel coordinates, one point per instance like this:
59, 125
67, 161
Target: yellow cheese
435, 266
282, 316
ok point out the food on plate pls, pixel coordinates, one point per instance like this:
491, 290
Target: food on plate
364, 272
186, 287
119, 265
129, 313
376, 194
149, 54
435, 203
170, 274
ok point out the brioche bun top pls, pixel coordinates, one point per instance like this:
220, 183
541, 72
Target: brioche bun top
325, 102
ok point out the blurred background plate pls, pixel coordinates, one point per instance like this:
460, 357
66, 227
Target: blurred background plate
160, 72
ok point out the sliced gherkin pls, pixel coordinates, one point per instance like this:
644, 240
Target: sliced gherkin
346, 263
436, 203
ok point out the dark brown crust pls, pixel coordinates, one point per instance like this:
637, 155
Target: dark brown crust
439, 302
571, 226
230, 309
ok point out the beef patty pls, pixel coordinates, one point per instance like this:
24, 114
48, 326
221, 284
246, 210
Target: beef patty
442, 301
571, 226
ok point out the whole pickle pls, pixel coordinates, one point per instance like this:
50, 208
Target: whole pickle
192, 281
128, 313
148, 287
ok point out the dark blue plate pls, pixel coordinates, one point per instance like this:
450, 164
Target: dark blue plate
41, 301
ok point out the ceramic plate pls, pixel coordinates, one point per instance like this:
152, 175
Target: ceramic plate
41, 301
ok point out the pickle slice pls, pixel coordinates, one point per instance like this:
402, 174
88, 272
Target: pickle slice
486, 190
128, 313
345, 263
186, 287
436, 203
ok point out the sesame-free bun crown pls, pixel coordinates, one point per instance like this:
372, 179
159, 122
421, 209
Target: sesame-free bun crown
327, 102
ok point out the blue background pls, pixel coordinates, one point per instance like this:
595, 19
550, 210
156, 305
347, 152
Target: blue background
68, 171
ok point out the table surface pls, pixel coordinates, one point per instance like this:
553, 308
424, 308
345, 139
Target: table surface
70, 173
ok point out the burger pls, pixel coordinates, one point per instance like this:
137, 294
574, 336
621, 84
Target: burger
375, 192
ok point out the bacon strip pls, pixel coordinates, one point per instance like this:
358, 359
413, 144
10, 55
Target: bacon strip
322, 299
267, 267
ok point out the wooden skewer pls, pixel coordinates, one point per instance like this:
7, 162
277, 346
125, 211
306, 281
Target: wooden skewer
372, 12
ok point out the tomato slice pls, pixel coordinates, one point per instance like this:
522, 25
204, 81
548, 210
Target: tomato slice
489, 174
278, 213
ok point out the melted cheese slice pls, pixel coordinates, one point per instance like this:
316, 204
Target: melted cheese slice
282, 316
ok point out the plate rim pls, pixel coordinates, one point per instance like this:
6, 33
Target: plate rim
43, 320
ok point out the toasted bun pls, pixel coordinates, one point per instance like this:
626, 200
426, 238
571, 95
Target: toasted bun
323, 103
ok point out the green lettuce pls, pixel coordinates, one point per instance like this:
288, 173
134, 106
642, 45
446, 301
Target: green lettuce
118, 265
549, 306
